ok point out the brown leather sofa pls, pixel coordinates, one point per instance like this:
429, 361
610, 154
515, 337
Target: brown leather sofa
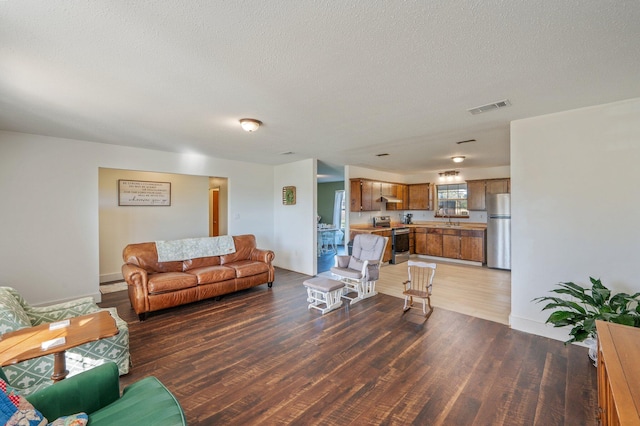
154, 285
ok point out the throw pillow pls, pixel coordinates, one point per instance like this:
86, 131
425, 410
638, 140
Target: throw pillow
79, 419
15, 410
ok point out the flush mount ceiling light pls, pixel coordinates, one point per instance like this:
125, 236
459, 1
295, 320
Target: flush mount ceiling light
458, 158
250, 124
449, 175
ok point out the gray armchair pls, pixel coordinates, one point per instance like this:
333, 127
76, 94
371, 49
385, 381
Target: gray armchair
360, 271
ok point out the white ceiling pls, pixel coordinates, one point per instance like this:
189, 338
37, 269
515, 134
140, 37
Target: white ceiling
336, 80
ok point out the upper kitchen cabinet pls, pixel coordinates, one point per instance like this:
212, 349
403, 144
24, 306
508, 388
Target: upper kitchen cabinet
399, 191
477, 191
365, 195
371, 193
420, 197
476, 195
355, 205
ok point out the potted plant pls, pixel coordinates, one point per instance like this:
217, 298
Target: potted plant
584, 306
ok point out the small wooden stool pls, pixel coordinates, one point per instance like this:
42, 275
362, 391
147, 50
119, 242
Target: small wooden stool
322, 290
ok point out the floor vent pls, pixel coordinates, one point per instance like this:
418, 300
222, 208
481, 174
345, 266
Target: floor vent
490, 107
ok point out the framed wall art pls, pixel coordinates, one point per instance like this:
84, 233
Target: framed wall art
288, 195
143, 193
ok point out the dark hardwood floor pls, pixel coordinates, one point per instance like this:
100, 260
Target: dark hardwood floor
260, 356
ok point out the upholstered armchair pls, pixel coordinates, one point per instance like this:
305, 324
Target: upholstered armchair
360, 271
35, 374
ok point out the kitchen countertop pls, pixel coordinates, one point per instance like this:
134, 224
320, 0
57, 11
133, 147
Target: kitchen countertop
443, 225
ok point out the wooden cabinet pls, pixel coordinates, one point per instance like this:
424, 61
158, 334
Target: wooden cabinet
397, 190
434, 242
498, 186
419, 197
420, 240
476, 195
618, 374
412, 241
472, 245
371, 192
388, 249
355, 205
451, 243
477, 191
465, 244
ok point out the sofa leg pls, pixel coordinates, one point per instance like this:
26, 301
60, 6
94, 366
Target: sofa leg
142, 316
270, 284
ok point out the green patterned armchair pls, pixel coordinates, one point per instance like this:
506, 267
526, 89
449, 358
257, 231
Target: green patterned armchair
35, 374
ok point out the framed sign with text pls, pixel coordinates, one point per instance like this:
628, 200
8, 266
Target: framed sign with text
143, 193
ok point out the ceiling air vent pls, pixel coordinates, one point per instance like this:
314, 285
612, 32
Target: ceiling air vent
490, 107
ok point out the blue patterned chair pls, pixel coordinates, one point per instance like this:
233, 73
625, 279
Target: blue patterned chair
35, 374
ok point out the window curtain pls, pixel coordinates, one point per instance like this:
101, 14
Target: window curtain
337, 214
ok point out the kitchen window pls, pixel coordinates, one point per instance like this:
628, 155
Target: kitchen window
452, 200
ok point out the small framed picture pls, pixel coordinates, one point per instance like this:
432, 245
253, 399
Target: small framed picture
288, 195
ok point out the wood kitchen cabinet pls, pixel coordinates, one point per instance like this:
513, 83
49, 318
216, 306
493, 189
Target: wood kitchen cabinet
400, 191
472, 245
477, 191
476, 195
618, 374
420, 237
355, 204
434, 242
371, 192
388, 249
498, 186
420, 197
365, 195
412, 241
451, 243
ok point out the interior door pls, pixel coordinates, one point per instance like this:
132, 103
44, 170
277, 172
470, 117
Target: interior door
214, 213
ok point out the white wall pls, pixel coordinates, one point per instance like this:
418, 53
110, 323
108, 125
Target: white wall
49, 248
186, 217
575, 205
295, 225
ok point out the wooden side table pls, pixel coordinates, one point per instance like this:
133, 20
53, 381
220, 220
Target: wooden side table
27, 343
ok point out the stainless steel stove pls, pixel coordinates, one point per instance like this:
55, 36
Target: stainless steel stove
400, 248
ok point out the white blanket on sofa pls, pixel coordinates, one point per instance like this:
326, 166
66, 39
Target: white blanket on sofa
191, 248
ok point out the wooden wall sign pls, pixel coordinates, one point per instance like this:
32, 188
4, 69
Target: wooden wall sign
288, 195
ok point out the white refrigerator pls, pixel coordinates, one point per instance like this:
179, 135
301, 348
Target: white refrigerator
499, 231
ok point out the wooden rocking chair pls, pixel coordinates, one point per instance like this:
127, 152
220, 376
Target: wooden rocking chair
419, 286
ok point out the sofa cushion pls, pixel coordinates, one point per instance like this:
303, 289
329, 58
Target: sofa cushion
248, 268
12, 314
171, 281
213, 274
245, 244
145, 256
200, 262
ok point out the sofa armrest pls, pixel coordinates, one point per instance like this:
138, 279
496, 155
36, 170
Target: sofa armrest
85, 392
134, 275
262, 255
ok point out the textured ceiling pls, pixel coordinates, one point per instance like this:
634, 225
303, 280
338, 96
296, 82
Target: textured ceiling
340, 81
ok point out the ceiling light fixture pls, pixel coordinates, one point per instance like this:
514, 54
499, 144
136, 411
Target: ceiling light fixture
250, 124
458, 158
449, 175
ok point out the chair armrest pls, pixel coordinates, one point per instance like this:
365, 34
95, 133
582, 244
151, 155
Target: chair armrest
342, 261
85, 392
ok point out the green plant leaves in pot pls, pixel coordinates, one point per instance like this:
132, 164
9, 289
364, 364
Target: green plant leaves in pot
579, 308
